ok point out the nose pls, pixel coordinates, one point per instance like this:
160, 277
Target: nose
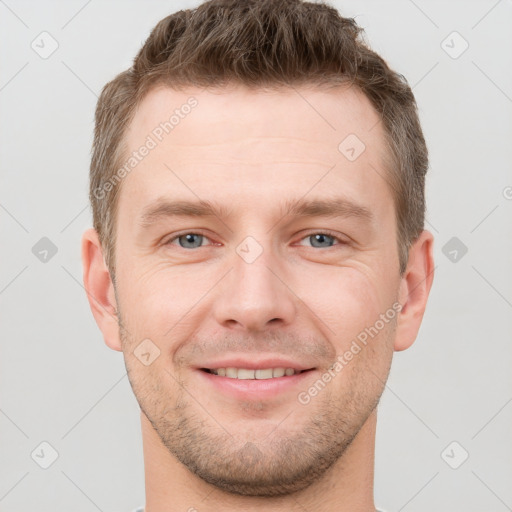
255, 296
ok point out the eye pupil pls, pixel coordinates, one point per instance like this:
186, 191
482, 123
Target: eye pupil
321, 238
186, 241
189, 237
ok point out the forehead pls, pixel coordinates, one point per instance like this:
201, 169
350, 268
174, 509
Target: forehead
319, 115
259, 141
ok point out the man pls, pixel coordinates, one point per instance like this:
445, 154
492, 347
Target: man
258, 252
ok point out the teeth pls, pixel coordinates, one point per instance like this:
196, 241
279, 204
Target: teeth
265, 374
279, 372
232, 373
245, 373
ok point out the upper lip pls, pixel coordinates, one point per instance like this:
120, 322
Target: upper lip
254, 364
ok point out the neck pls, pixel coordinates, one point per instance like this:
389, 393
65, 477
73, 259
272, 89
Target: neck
346, 487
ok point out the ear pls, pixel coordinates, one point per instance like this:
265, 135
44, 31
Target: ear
414, 289
100, 289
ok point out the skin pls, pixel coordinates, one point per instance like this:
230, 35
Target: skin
303, 297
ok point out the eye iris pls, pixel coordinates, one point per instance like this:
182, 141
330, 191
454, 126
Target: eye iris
320, 237
189, 239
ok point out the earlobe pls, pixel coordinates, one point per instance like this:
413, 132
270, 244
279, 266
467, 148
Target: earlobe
414, 290
100, 289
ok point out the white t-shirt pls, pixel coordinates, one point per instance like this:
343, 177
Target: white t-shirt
141, 509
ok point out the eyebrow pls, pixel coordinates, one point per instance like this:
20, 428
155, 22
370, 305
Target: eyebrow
336, 207
162, 209
333, 207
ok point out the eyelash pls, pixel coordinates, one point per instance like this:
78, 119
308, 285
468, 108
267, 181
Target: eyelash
324, 232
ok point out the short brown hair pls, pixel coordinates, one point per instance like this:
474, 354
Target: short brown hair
261, 44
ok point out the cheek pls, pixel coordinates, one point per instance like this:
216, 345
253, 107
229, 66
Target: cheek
158, 299
347, 300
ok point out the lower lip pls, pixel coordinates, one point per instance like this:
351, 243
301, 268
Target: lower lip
257, 389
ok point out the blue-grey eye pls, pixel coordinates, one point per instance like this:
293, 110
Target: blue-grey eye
189, 240
321, 238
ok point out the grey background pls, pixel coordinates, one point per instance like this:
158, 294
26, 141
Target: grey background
59, 383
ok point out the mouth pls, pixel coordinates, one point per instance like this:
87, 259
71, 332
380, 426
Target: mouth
256, 384
254, 374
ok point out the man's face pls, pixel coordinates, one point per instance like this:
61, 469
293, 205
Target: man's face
257, 280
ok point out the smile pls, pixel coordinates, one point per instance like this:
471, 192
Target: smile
247, 373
